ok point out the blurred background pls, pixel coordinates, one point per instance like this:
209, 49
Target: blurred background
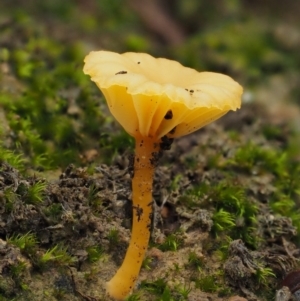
52, 113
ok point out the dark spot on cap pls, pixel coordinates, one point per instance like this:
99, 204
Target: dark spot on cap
138, 62
169, 115
173, 130
121, 72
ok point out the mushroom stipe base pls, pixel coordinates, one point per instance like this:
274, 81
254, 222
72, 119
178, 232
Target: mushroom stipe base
124, 280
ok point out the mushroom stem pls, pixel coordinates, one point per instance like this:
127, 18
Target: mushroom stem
146, 150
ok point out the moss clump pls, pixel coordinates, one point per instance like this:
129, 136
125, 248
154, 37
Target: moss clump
27, 243
58, 255
234, 213
171, 243
12, 158
207, 284
158, 287
95, 253
53, 116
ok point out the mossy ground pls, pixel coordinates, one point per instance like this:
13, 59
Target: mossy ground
227, 197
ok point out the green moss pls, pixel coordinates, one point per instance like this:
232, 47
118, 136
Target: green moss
136, 43
195, 261
158, 287
27, 243
207, 284
115, 144
95, 253
286, 206
56, 116
223, 220
12, 158
251, 157
225, 291
113, 236
58, 255
234, 214
147, 263
220, 247
183, 292
166, 295
190, 162
17, 269
172, 242
272, 132
286, 198
9, 197
94, 201
133, 297
263, 275
35, 193
54, 211
175, 183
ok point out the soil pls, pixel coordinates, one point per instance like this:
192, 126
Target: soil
91, 205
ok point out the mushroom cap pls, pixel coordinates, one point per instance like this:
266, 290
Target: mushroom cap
154, 97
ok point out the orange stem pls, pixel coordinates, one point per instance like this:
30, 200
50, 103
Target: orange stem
124, 280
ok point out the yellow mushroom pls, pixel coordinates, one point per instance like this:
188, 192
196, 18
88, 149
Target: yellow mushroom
155, 100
